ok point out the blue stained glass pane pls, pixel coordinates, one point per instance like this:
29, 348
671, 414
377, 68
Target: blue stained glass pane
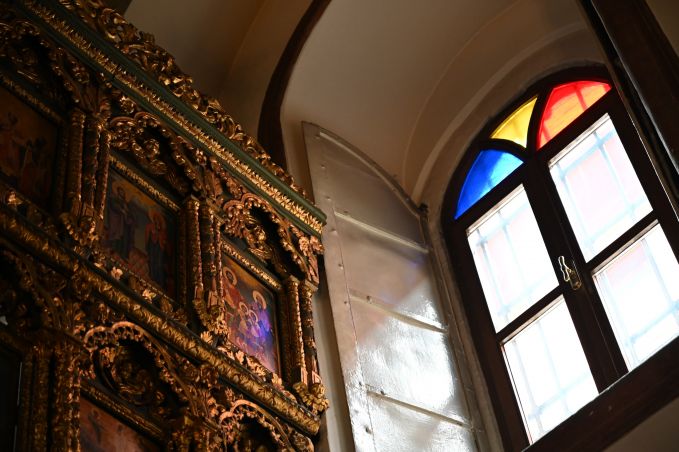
489, 169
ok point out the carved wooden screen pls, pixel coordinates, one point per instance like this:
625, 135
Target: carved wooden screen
156, 268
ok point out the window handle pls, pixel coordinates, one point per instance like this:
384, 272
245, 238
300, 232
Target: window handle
569, 274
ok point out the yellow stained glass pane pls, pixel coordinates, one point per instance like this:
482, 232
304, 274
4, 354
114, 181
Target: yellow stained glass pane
515, 127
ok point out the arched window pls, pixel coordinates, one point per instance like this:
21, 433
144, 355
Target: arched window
564, 245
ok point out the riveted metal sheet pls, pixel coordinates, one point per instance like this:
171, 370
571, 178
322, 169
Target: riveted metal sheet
402, 428
388, 271
408, 361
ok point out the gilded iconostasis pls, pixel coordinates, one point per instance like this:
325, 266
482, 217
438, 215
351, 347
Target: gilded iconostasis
157, 270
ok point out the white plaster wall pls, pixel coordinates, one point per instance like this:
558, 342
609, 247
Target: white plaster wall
406, 385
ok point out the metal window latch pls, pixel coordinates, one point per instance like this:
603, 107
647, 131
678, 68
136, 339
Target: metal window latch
569, 274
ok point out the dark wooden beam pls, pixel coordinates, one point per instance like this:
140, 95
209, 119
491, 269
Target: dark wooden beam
270, 132
645, 68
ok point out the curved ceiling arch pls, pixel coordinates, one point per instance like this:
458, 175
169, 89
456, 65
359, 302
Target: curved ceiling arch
398, 82
367, 68
456, 139
559, 49
492, 56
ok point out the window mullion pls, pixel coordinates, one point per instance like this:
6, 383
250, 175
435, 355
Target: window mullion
594, 331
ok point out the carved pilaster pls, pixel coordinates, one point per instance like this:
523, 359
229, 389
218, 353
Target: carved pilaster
297, 371
307, 318
101, 176
64, 406
38, 419
311, 392
195, 264
88, 312
208, 248
93, 132
74, 173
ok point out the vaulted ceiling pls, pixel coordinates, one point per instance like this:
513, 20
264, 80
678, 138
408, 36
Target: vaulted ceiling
409, 83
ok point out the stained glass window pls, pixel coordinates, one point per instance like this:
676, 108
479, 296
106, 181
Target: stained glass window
565, 103
489, 169
574, 226
515, 127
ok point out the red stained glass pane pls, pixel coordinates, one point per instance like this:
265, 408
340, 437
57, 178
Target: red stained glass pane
565, 104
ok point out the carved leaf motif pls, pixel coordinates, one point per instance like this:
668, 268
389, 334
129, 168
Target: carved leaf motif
72, 295
141, 48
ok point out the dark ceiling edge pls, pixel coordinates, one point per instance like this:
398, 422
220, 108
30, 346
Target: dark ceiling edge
270, 131
120, 6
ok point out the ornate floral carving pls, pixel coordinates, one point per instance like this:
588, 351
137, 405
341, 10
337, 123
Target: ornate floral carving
45, 287
242, 169
310, 247
312, 396
126, 374
73, 308
141, 48
142, 136
242, 222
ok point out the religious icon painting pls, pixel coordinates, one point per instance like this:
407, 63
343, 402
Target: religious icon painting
102, 432
251, 313
28, 144
140, 231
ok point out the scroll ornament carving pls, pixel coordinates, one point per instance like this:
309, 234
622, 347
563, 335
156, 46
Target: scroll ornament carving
141, 48
82, 231
50, 68
242, 223
68, 294
39, 60
144, 135
55, 72
46, 289
134, 135
239, 167
214, 415
219, 175
132, 381
310, 247
312, 396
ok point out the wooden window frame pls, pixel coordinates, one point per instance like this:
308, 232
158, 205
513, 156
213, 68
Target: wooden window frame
625, 398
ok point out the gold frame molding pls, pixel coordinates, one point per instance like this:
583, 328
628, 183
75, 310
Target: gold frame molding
68, 312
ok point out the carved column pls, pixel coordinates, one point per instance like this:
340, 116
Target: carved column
37, 419
74, 175
212, 265
93, 131
101, 173
296, 367
195, 264
65, 400
307, 291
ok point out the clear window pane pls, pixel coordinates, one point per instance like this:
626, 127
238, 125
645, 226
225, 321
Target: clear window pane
598, 187
549, 370
640, 291
511, 258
